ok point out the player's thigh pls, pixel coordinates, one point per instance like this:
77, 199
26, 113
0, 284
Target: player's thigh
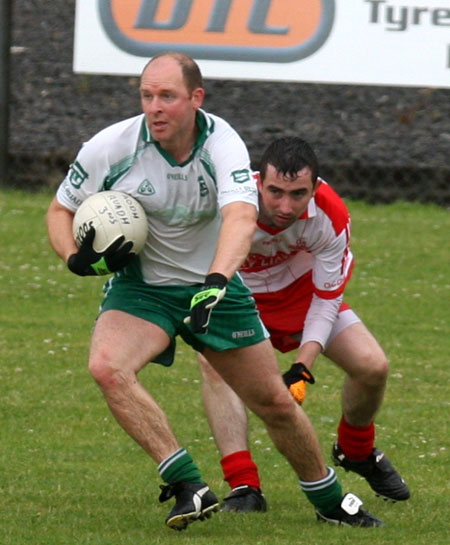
251, 371
126, 341
357, 351
207, 370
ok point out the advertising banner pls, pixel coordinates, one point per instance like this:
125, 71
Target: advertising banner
374, 42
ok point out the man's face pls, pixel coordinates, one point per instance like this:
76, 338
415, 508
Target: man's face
168, 106
283, 199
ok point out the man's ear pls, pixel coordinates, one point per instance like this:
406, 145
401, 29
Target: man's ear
257, 178
198, 96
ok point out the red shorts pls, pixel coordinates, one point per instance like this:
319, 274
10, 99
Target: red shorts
283, 312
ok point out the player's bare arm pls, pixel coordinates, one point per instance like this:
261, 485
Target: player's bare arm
236, 233
308, 353
59, 225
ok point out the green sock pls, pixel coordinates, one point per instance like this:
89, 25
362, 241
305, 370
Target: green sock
179, 466
325, 494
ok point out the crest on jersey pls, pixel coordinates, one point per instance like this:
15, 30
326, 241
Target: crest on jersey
146, 188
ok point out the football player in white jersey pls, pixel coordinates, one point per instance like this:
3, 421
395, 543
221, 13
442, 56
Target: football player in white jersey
297, 269
191, 172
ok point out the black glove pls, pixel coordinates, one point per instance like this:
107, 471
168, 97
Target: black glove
88, 262
295, 380
203, 302
298, 371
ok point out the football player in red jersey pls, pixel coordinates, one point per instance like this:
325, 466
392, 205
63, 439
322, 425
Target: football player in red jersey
297, 269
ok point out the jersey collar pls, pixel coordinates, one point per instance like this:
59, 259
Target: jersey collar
205, 127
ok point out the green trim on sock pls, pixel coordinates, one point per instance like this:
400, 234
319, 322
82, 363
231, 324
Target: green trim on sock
325, 494
179, 466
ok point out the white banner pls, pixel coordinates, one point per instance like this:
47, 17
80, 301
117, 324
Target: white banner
375, 42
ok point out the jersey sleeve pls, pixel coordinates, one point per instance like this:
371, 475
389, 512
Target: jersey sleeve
320, 319
333, 266
85, 175
234, 177
333, 260
99, 159
331, 271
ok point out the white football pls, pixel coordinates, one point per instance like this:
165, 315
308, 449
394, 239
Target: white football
113, 214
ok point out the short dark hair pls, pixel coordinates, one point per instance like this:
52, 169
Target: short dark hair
288, 155
192, 75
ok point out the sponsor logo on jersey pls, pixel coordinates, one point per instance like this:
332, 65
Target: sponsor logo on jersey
243, 30
146, 188
177, 176
257, 262
77, 201
240, 190
77, 175
334, 284
241, 176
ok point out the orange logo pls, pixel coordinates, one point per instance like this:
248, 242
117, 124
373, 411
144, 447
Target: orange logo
240, 30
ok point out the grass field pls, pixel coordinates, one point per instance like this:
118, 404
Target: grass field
69, 475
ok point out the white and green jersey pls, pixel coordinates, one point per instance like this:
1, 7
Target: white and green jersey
182, 201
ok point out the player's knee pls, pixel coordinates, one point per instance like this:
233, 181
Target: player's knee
104, 372
376, 369
275, 408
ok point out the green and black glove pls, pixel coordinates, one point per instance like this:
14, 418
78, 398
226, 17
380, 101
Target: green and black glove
88, 262
203, 302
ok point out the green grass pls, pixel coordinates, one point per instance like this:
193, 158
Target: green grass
69, 475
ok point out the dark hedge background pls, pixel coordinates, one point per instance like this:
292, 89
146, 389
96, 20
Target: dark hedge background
374, 143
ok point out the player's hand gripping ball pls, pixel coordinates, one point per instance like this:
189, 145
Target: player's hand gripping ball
110, 228
296, 379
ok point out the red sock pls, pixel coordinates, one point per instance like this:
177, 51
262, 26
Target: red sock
239, 468
356, 442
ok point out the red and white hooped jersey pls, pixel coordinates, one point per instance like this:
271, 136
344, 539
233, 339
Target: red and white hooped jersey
294, 271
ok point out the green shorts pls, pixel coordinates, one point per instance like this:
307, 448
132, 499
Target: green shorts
234, 322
